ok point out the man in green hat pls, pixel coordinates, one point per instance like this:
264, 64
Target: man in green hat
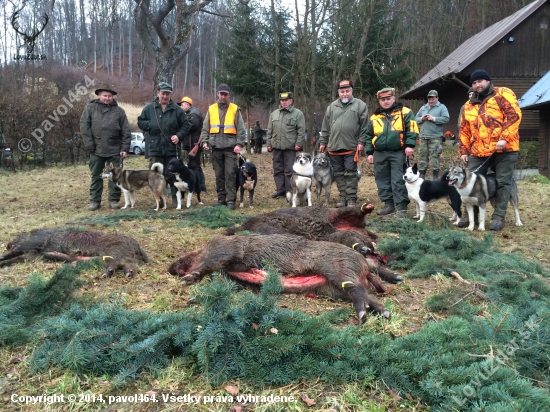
285, 136
430, 118
344, 125
389, 140
106, 135
166, 125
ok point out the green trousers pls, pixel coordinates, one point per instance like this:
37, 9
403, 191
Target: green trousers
97, 163
388, 175
428, 153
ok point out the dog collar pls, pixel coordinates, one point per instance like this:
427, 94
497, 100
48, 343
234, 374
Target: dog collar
412, 181
464, 185
308, 176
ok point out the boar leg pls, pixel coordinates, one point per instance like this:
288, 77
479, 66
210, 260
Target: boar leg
384, 273
58, 256
11, 258
363, 302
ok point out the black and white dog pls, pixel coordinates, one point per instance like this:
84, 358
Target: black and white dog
302, 177
247, 178
424, 191
185, 180
476, 190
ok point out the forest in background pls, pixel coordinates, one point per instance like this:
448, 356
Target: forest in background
259, 48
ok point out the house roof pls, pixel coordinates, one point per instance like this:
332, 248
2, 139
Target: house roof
474, 47
537, 95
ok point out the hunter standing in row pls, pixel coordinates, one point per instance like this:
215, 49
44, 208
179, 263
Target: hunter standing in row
165, 125
106, 135
431, 117
285, 137
344, 125
224, 131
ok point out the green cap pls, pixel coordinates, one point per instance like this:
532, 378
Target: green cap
385, 92
164, 87
433, 93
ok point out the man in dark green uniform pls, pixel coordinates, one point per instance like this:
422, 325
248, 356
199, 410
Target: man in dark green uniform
285, 136
166, 125
344, 124
106, 135
389, 140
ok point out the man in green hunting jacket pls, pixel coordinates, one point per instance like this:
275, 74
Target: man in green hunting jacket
285, 136
344, 125
389, 140
106, 135
166, 125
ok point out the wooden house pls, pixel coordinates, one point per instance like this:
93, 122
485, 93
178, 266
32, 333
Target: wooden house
514, 51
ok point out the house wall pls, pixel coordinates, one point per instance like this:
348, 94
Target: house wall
544, 141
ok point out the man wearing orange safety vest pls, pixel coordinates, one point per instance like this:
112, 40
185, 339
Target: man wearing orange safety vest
224, 133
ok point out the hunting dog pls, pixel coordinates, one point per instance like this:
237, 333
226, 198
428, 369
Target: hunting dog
424, 191
302, 177
323, 175
476, 190
131, 180
247, 178
185, 180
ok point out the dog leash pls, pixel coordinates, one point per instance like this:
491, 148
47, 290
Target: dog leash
486, 160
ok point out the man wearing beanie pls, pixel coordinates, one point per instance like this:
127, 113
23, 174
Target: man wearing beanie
224, 132
344, 125
430, 118
389, 140
489, 138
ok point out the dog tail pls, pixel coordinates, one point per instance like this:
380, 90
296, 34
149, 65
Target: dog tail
483, 182
158, 167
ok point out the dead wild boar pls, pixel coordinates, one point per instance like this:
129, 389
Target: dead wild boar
65, 245
320, 225
323, 268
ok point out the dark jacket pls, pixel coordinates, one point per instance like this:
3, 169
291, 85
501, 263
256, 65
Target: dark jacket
386, 131
105, 129
195, 127
161, 126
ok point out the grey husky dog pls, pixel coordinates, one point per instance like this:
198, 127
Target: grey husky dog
323, 176
476, 190
131, 180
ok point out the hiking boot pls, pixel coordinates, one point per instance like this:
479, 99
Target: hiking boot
278, 193
401, 214
351, 202
219, 203
114, 205
94, 206
436, 174
231, 205
341, 203
386, 210
496, 224
464, 221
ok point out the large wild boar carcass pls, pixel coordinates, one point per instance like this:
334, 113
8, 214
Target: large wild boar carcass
323, 268
345, 226
118, 251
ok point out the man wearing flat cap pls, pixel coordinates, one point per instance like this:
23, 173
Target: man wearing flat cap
431, 117
344, 124
165, 125
389, 140
489, 138
223, 131
285, 136
193, 139
106, 135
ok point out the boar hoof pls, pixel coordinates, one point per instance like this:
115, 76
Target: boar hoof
361, 316
398, 279
386, 314
191, 278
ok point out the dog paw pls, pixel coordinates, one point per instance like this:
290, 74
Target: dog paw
471, 228
200, 203
178, 208
124, 207
416, 216
241, 205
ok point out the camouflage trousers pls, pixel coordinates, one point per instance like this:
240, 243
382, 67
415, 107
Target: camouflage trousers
428, 153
